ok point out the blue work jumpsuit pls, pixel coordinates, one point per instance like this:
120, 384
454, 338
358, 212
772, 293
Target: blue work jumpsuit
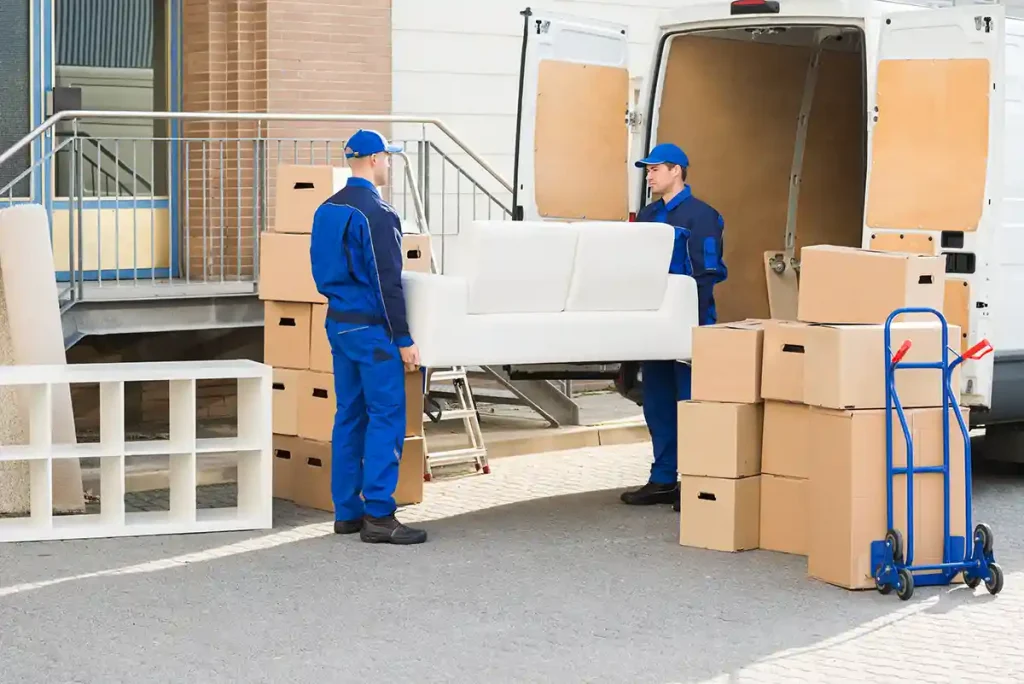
698, 253
356, 256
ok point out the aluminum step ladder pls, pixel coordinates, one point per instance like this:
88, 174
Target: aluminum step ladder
465, 409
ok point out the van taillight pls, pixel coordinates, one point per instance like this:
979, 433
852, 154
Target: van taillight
632, 216
754, 7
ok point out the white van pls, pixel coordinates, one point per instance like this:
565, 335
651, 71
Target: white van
861, 123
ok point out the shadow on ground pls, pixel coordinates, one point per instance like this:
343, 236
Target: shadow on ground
573, 588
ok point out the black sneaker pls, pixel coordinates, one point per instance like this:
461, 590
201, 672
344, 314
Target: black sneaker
651, 494
348, 526
389, 531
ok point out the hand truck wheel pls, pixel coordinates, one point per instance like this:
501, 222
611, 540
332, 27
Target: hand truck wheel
983, 533
895, 539
906, 586
971, 582
995, 585
883, 588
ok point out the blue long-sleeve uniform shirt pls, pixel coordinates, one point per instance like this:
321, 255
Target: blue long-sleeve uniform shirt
699, 245
356, 255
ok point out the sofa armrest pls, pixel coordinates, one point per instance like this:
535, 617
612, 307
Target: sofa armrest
435, 306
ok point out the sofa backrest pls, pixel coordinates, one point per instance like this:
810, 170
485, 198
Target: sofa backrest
620, 266
515, 266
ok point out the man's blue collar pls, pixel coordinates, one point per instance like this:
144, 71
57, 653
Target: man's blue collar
679, 198
363, 183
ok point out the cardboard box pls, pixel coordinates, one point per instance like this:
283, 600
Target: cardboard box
317, 406
284, 467
301, 189
848, 285
784, 447
784, 514
727, 362
410, 472
720, 514
845, 367
286, 392
313, 474
285, 271
416, 253
782, 365
320, 356
719, 439
414, 403
286, 335
847, 501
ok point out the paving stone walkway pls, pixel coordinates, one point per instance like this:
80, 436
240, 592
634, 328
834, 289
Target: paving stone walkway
533, 573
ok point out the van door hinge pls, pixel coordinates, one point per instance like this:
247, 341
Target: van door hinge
634, 119
983, 24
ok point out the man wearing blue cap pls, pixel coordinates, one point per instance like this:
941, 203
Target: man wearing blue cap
356, 255
698, 253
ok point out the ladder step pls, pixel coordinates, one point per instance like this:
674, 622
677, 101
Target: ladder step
442, 376
455, 456
455, 414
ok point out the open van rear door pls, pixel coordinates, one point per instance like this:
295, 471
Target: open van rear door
572, 139
935, 158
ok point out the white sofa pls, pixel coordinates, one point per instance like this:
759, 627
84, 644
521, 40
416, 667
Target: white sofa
530, 292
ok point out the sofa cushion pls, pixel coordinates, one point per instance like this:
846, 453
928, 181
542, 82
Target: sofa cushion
515, 267
620, 266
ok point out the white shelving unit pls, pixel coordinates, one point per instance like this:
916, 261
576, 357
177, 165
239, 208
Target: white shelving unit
252, 447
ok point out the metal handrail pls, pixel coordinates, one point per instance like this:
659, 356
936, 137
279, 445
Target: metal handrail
42, 128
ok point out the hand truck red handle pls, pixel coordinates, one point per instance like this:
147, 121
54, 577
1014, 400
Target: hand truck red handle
901, 352
979, 350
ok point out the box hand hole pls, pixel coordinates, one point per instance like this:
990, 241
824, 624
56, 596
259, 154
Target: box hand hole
707, 496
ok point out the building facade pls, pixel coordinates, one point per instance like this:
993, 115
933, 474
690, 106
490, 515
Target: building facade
156, 199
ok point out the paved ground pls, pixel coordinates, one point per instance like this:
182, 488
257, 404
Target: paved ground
534, 573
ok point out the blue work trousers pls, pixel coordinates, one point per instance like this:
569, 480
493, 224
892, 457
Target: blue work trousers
665, 384
369, 424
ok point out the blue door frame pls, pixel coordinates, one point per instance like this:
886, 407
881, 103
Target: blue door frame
43, 70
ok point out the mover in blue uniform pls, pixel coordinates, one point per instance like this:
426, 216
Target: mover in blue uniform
356, 256
697, 252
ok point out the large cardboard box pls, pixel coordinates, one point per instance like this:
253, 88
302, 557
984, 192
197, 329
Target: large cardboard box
286, 392
785, 449
845, 365
317, 406
848, 285
782, 366
285, 271
416, 253
727, 362
720, 514
312, 484
320, 358
847, 502
286, 335
784, 514
284, 467
414, 403
301, 189
719, 439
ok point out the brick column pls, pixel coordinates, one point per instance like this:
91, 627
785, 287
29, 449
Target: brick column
303, 56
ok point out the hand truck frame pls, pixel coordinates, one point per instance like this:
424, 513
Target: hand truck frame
893, 565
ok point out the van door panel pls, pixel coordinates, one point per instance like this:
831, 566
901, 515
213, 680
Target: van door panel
936, 154
572, 152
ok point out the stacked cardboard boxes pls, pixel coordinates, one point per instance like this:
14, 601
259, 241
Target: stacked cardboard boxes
816, 390
720, 439
296, 345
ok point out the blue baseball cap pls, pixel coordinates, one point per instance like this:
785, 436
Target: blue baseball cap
363, 143
665, 153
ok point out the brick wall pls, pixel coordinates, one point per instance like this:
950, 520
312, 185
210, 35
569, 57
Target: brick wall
303, 56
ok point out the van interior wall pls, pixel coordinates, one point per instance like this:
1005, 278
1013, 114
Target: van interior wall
733, 106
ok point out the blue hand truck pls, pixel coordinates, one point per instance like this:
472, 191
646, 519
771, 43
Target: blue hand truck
892, 564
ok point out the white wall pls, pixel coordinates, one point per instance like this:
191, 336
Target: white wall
458, 60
